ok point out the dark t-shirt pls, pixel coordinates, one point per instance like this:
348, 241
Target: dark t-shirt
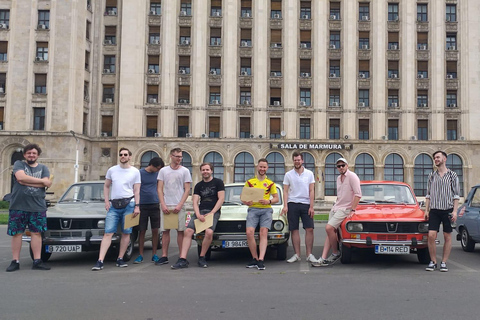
208, 192
25, 198
148, 187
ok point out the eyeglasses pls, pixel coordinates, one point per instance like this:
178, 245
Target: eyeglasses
177, 156
340, 165
123, 155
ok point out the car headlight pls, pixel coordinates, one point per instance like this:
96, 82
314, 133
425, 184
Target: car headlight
423, 227
101, 224
278, 225
354, 227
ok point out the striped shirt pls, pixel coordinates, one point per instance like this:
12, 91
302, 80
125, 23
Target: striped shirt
442, 191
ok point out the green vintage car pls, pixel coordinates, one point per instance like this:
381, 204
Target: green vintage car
231, 233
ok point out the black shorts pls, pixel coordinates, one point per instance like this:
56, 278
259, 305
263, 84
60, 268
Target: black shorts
151, 211
216, 216
440, 216
297, 211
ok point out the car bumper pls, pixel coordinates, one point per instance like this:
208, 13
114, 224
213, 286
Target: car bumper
273, 238
369, 242
86, 240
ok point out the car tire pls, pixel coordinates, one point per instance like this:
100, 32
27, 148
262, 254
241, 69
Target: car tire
44, 256
208, 255
466, 241
423, 256
282, 251
346, 257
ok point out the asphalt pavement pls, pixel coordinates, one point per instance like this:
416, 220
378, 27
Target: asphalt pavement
372, 287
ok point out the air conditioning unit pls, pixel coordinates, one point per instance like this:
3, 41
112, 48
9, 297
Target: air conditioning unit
276, 16
183, 13
276, 103
216, 14
274, 45
112, 13
305, 75
38, 58
244, 73
365, 18
305, 17
157, 134
2, 90
89, 7
420, 76
364, 46
335, 104
332, 46
452, 105
215, 102
396, 18
346, 137
182, 71
303, 104
42, 26
303, 45
362, 75
451, 48
108, 42
333, 17
449, 76
273, 74
246, 102
213, 72
106, 71
204, 135
152, 100
361, 104
153, 12
151, 71
423, 105
260, 136
184, 101
333, 75
462, 138
394, 105
104, 134
393, 47
252, 136
423, 47
244, 44
384, 137
188, 135
185, 42
109, 100
413, 138
394, 76
3, 26
155, 41
246, 15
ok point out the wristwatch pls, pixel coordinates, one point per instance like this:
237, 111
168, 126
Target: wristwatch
137, 205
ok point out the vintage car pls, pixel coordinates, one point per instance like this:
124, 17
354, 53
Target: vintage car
77, 223
387, 220
231, 227
468, 220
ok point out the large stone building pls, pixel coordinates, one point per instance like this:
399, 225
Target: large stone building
381, 83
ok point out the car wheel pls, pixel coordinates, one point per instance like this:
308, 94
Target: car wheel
468, 244
208, 255
282, 251
44, 256
346, 257
423, 256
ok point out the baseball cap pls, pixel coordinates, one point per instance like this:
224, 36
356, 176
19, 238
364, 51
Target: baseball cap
342, 160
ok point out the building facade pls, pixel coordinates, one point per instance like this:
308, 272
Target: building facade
382, 83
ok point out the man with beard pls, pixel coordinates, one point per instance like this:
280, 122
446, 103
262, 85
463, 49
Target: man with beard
124, 182
260, 213
27, 206
298, 198
208, 197
441, 201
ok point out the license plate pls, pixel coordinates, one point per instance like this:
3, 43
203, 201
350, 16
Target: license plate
63, 248
234, 244
379, 249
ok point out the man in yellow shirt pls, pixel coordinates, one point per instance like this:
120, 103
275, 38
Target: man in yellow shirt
260, 213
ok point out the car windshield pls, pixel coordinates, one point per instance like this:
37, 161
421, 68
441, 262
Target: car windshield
84, 193
232, 195
387, 194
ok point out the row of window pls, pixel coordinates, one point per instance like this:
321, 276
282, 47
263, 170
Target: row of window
43, 19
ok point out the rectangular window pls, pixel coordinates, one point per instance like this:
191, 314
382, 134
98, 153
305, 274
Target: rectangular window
38, 118
108, 93
109, 64
364, 69
422, 129
184, 94
216, 8
334, 10
451, 41
183, 126
393, 98
110, 35
245, 95
40, 83
363, 129
155, 7
334, 98
184, 64
276, 10
422, 98
305, 96
111, 8
4, 19
334, 39
186, 8
305, 10
87, 60
275, 128
245, 127
451, 12
88, 30
151, 126
392, 129
1, 118
364, 11
154, 35
393, 43
107, 125
422, 69
276, 37
422, 12
185, 36
43, 19
152, 94
334, 129
305, 39
364, 98
246, 37
363, 40
246, 66
86, 91
215, 65
334, 68
422, 40
153, 64
276, 67
451, 99
451, 69
214, 127
451, 129
305, 68
393, 12
215, 36
393, 69
3, 81
215, 95
276, 97
85, 123
4, 50
305, 128
246, 8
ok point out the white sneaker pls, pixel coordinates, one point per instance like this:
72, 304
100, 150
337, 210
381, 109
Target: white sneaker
319, 263
311, 258
294, 258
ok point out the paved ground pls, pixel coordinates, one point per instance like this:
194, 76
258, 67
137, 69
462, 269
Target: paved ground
373, 287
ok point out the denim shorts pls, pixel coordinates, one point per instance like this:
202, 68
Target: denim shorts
18, 220
115, 216
259, 216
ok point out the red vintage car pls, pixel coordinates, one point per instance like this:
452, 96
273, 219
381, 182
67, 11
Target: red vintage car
387, 220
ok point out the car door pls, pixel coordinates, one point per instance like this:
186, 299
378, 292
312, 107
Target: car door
472, 215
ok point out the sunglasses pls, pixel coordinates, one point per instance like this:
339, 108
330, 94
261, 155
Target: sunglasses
340, 165
123, 155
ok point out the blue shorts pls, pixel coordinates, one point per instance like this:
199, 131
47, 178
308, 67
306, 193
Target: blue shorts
115, 216
18, 220
259, 216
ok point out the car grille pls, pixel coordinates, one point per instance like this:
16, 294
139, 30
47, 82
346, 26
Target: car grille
56, 223
390, 227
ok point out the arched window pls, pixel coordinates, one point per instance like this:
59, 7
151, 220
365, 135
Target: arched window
331, 174
393, 168
244, 167
364, 167
455, 163
423, 167
216, 159
146, 157
276, 167
187, 162
309, 162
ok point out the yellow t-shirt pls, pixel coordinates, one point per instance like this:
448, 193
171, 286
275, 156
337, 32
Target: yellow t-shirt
265, 184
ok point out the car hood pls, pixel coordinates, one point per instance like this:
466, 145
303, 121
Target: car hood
234, 213
77, 210
387, 213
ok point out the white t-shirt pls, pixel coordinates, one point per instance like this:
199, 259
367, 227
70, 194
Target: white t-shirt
173, 183
122, 181
298, 185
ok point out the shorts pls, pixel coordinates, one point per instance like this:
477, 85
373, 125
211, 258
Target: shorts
259, 216
216, 216
440, 216
151, 211
335, 218
18, 220
297, 211
115, 216
181, 219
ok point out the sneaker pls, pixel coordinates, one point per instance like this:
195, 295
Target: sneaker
320, 263
431, 266
260, 265
98, 266
120, 263
14, 266
443, 267
253, 264
202, 262
162, 260
138, 260
311, 258
39, 265
155, 258
294, 258
333, 258
181, 264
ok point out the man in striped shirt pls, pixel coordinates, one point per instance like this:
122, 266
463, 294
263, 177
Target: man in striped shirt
443, 193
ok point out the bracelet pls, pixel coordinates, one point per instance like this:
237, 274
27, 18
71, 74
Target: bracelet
137, 205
